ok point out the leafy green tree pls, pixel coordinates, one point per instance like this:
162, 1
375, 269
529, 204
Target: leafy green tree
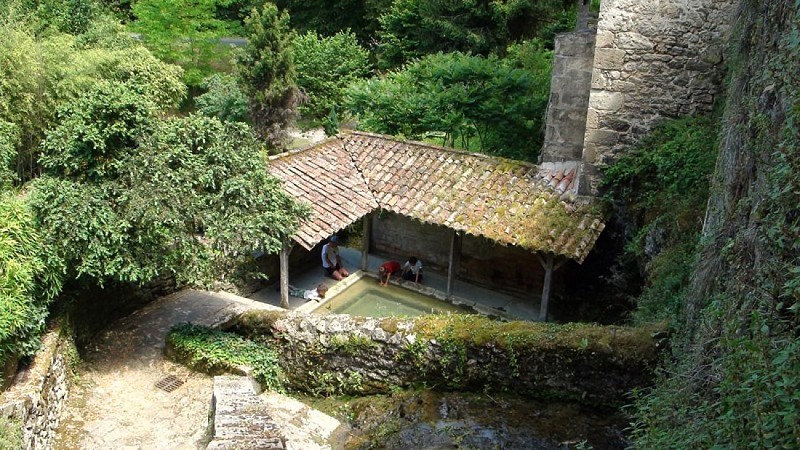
54, 16
183, 32
329, 17
414, 28
96, 130
472, 102
223, 99
38, 76
325, 67
194, 193
8, 153
30, 277
267, 71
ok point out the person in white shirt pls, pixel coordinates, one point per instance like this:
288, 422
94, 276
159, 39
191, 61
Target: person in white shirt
331, 261
412, 270
309, 294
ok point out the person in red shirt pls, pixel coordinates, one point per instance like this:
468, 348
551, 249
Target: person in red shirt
386, 271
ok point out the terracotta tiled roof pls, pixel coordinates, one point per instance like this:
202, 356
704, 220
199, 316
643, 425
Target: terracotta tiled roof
325, 177
507, 201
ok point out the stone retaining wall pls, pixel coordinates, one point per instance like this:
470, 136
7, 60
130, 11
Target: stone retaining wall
39, 392
340, 354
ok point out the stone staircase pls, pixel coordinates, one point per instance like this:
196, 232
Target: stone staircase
243, 418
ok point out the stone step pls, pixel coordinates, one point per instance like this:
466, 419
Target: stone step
243, 419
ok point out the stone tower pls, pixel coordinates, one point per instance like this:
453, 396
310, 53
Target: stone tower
650, 61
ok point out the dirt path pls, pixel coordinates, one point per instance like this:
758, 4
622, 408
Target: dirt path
115, 403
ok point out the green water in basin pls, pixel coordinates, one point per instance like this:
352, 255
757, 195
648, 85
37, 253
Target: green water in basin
369, 299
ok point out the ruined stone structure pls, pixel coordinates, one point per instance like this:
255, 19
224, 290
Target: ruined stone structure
651, 61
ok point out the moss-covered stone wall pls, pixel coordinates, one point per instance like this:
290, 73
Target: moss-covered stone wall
340, 354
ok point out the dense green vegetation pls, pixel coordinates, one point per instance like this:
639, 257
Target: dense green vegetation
660, 189
30, 277
213, 351
103, 181
730, 289
482, 104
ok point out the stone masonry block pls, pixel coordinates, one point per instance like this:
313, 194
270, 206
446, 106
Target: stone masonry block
609, 58
606, 101
590, 152
605, 39
591, 118
602, 137
634, 41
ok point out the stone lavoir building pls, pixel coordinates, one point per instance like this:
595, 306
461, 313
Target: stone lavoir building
510, 225
505, 224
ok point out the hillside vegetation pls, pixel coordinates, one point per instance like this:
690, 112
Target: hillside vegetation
733, 378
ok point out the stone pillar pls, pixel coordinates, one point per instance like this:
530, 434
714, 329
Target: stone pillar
365, 241
569, 97
547, 264
452, 266
284, 262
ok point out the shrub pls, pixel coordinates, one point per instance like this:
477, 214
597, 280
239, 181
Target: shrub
660, 189
213, 350
29, 280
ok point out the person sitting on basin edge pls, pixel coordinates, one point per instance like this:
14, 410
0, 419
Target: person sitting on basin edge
331, 261
412, 270
386, 271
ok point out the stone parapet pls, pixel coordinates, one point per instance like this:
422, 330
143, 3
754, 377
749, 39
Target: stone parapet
342, 354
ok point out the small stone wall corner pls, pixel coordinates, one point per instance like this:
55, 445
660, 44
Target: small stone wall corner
39, 392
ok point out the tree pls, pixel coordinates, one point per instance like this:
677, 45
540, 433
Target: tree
223, 99
267, 71
39, 76
475, 103
194, 193
329, 17
96, 131
8, 153
53, 16
325, 67
414, 28
183, 32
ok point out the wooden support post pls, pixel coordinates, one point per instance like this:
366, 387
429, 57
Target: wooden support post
452, 265
547, 263
284, 263
365, 241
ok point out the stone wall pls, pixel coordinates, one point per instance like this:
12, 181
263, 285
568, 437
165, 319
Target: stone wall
569, 96
341, 354
506, 269
39, 392
653, 61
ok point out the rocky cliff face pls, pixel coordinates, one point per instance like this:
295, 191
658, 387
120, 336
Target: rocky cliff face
736, 362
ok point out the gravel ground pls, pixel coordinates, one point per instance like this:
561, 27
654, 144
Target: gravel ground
115, 404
